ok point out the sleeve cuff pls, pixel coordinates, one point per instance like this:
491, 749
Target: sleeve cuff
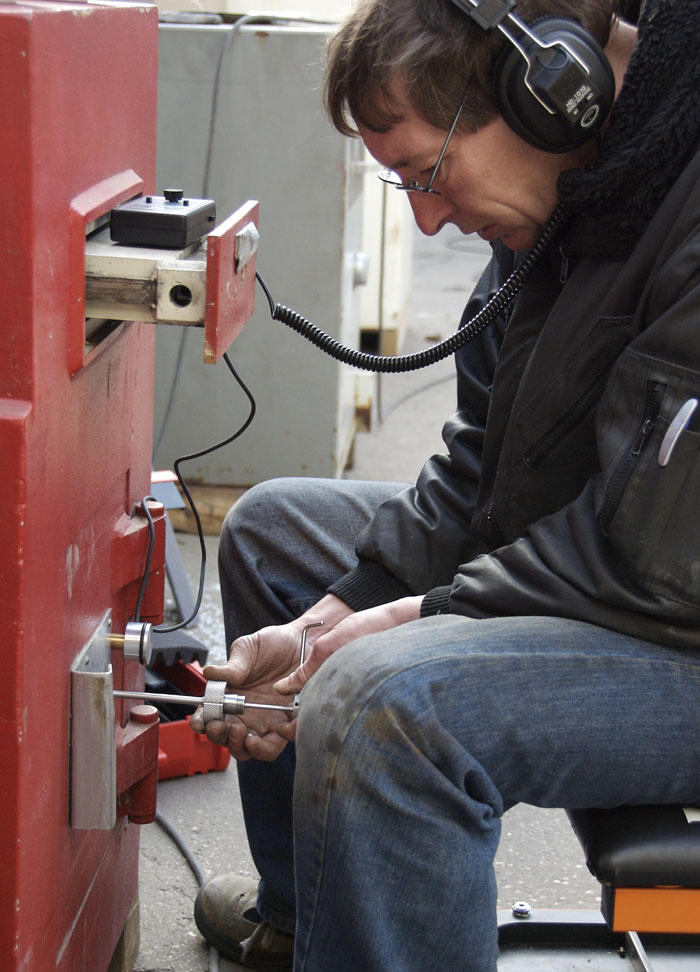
436, 601
368, 585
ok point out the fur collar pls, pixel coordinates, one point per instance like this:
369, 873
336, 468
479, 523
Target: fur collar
654, 130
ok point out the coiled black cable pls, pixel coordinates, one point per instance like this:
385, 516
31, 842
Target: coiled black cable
393, 364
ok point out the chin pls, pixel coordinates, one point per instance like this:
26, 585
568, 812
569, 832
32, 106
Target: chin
519, 240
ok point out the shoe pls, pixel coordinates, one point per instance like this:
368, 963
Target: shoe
226, 916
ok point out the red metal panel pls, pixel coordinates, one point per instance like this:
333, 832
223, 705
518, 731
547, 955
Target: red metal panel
230, 289
78, 86
183, 752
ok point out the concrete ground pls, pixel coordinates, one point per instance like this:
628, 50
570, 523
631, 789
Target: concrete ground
539, 859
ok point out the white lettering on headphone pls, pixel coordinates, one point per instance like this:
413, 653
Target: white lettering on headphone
576, 99
590, 116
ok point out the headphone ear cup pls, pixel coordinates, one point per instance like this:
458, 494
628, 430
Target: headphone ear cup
552, 132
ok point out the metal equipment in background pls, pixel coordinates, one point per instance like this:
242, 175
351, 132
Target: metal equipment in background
240, 116
80, 532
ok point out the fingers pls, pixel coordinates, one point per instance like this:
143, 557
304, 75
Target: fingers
288, 732
323, 648
266, 748
243, 657
244, 743
241, 741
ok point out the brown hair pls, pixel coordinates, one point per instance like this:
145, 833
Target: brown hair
436, 51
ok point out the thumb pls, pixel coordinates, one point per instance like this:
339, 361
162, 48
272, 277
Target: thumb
236, 670
232, 672
296, 680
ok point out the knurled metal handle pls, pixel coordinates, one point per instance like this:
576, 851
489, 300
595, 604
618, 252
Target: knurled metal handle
213, 702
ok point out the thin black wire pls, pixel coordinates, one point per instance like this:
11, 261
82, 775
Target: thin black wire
243, 21
393, 364
188, 496
189, 855
149, 555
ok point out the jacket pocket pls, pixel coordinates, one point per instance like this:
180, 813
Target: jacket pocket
540, 451
551, 449
649, 512
624, 471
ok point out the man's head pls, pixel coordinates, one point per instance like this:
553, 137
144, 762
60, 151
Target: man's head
435, 53
398, 72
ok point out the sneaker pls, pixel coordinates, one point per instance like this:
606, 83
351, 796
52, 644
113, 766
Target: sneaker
226, 916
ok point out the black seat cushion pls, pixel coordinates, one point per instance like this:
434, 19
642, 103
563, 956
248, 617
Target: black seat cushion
640, 846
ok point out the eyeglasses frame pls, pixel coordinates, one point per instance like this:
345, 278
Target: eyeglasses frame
412, 185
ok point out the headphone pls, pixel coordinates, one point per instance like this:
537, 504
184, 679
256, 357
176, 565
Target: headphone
553, 83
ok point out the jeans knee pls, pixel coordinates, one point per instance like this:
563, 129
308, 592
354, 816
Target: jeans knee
354, 684
256, 504
257, 515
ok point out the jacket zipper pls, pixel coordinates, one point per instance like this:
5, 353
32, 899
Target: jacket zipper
620, 477
545, 446
494, 530
564, 271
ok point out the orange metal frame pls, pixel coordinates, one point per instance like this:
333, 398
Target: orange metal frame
664, 910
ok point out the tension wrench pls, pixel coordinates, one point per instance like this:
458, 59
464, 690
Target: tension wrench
216, 701
302, 653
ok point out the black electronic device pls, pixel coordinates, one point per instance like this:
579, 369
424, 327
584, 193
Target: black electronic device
553, 83
170, 220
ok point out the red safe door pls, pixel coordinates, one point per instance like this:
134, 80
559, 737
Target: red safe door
78, 90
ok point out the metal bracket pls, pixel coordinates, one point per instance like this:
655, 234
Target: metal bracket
140, 283
209, 284
93, 763
636, 953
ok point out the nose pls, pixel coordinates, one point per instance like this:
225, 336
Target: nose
430, 211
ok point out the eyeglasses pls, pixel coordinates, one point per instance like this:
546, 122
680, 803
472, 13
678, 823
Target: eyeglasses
414, 185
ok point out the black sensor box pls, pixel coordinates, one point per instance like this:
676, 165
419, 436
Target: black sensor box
169, 220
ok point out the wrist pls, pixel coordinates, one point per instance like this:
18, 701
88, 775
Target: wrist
407, 608
330, 609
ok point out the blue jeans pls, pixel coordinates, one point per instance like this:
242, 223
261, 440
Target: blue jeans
413, 742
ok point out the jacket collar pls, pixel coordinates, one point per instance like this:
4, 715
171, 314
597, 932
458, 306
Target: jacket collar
654, 130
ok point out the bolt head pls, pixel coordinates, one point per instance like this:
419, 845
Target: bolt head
144, 714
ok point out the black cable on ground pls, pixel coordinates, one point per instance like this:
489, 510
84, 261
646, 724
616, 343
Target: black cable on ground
186, 851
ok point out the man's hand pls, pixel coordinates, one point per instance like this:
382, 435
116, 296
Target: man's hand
255, 663
265, 667
348, 629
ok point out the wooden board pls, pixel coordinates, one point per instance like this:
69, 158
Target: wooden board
212, 502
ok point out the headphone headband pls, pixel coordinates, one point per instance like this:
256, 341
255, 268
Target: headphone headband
486, 13
553, 84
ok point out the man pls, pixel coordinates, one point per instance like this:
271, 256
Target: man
524, 623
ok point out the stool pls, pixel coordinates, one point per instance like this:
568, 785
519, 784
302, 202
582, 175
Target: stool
647, 860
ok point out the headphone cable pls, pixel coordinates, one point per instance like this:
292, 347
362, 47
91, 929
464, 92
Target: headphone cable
394, 364
384, 364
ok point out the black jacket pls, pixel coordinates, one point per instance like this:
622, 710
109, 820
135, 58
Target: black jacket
551, 499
